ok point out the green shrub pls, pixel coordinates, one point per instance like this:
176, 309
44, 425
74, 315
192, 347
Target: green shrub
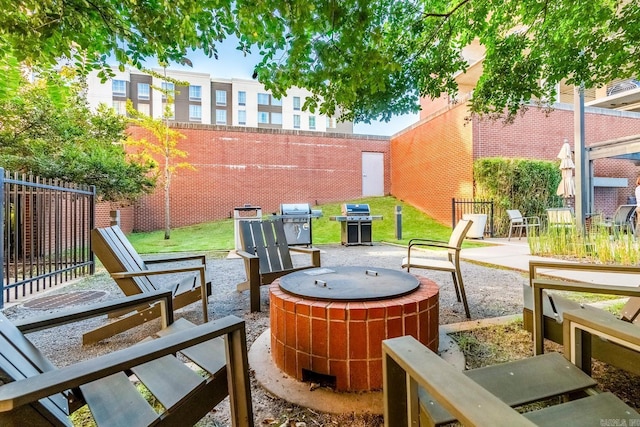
524, 184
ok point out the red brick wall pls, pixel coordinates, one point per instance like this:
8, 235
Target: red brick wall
433, 162
103, 215
536, 135
261, 167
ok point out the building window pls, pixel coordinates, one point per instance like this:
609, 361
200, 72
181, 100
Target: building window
195, 93
119, 88
144, 109
221, 97
242, 117
296, 121
263, 99
296, 103
144, 91
120, 107
263, 117
276, 102
195, 113
168, 89
221, 117
242, 98
276, 118
331, 122
169, 110
312, 122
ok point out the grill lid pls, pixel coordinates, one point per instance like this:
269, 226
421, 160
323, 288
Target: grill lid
355, 209
295, 209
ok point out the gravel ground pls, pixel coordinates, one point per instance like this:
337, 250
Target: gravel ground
491, 292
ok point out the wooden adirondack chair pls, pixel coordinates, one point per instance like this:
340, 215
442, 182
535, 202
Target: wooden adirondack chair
189, 370
544, 311
135, 275
422, 389
267, 256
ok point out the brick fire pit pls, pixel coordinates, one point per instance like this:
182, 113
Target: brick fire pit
338, 339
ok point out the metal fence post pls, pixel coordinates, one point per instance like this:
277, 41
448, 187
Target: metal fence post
2, 231
453, 213
92, 224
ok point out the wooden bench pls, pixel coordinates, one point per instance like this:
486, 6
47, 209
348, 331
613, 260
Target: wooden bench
38, 393
267, 256
409, 366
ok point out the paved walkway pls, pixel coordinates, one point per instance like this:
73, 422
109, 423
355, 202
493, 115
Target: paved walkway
515, 254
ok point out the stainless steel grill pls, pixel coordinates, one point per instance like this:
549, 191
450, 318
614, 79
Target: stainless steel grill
297, 222
355, 224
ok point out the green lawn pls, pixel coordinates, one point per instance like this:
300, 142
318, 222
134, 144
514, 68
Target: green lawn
219, 235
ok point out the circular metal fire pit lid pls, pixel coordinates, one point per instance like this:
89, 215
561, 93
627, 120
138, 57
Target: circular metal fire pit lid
349, 283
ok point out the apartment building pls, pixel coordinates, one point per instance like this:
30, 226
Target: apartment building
199, 98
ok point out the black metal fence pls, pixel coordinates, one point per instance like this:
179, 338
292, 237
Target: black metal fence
45, 233
461, 207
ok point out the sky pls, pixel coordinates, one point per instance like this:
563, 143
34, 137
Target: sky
232, 63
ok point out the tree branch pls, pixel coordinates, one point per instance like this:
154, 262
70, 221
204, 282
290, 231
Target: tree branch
448, 14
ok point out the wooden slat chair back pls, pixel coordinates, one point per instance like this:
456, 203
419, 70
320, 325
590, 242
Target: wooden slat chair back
267, 240
18, 362
546, 322
117, 255
36, 393
267, 256
134, 276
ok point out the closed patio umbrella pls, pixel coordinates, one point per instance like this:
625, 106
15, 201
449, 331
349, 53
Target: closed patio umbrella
567, 187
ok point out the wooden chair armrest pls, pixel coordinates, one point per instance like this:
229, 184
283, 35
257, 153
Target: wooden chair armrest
201, 258
22, 392
86, 312
313, 252
303, 250
606, 324
246, 255
408, 364
151, 272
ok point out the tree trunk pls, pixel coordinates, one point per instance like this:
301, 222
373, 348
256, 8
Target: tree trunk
167, 205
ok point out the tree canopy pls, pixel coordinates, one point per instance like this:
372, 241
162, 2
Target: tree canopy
370, 59
46, 128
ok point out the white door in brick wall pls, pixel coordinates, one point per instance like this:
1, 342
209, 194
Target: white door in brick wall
372, 174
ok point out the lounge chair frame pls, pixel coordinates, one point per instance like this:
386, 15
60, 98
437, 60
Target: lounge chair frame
519, 222
41, 394
451, 264
543, 312
183, 275
408, 366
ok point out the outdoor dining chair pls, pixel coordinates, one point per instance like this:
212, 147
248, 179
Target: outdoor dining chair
450, 264
519, 222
